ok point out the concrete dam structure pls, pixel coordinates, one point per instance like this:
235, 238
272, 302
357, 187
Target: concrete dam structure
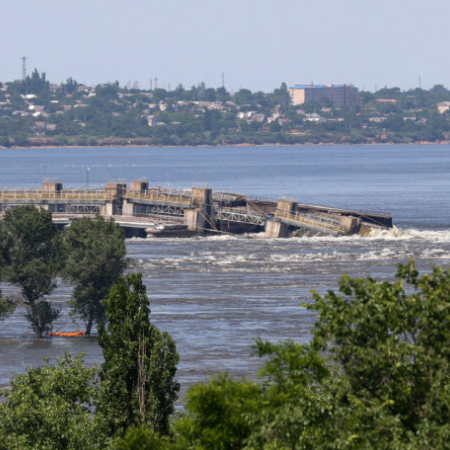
157, 212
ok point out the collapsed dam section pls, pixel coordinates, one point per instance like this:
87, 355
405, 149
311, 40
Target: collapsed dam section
144, 211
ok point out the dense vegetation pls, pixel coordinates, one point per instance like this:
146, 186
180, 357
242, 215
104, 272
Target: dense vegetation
375, 375
90, 254
66, 406
35, 112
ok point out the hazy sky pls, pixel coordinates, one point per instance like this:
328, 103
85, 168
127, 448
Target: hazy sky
257, 43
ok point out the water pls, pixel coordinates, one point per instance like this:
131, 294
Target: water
216, 294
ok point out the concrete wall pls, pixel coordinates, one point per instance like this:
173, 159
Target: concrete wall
286, 206
52, 187
297, 96
201, 216
115, 190
351, 224
194, 220
138, 186
344, 95
127, 208
276, 229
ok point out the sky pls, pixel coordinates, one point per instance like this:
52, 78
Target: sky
256, 44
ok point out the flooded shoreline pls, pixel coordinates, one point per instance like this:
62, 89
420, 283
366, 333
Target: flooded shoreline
215, 295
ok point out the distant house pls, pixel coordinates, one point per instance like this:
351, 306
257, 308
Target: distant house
258, 117
246, 114
275, 116
313, 117
283, 122
443, 107
36, 108
28, 96
377, 119
152, 121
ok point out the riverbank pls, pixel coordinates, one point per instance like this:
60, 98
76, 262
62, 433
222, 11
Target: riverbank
265, 145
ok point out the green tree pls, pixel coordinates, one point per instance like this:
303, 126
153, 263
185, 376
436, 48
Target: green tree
7, 307
394, 348
36, 83
94, 252
137, 377
30, 253
139, 438
49, 408
376, 374
219, 414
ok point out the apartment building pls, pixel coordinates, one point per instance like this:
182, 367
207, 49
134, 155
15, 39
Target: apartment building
338, 94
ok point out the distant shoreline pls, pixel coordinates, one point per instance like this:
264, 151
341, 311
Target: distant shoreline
322, 144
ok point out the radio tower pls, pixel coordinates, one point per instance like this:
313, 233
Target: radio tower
24, 67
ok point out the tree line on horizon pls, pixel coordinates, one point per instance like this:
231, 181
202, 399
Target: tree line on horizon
375, 374
115, 115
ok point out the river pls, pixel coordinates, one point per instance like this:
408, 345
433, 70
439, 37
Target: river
216, 294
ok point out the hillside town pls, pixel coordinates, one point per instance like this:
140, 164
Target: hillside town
35, 112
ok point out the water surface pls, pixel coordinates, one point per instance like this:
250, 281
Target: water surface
216, 294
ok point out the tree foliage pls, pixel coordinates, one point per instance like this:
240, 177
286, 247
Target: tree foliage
393, 348
376, 374
94, 252
30, 254
139, 438
219, 413
137, 377
7, 307
49, 408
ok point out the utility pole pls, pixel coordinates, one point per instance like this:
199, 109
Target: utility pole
24, 67
87, 176
223, 80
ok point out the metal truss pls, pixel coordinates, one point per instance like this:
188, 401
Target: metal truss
240, 216
166, 210
74, 208
311, 222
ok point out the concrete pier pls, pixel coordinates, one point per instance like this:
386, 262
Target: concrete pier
275, 229
199, 219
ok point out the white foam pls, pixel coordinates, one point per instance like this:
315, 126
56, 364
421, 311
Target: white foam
399, 234
394, 234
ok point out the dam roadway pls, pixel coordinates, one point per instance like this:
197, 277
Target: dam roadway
157, 212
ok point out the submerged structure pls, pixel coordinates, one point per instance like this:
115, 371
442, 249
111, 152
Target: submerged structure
157, 212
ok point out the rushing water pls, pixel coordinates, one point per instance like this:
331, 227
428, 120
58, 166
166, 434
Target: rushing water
216, 294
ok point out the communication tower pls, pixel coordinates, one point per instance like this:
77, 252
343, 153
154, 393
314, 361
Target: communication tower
24, 67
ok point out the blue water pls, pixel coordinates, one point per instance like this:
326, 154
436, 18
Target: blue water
410, 182
216, 294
